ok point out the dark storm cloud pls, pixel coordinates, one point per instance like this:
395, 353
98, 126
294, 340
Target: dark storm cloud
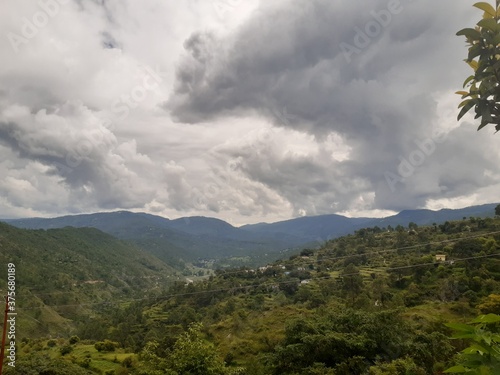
368, 72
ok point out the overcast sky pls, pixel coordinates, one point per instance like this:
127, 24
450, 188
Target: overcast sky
244, 110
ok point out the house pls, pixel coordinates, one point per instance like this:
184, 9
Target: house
441, 257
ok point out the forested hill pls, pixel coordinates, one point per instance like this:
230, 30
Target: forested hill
374, 302
181, 240
76, 270
213, 243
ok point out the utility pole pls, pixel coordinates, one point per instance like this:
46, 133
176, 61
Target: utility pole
2, 350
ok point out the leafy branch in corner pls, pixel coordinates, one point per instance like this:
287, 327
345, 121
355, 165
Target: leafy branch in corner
482, 357
482, 89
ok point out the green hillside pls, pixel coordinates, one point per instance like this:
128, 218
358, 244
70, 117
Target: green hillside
375, 302
76, 270
211, 243
207, 242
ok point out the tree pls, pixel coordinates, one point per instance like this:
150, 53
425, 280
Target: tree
193, 355
483, 87
497, 210
412, 225
352, 281
190, 355
491, 304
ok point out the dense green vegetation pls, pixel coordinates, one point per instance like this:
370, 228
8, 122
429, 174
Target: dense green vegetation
64, 275
375, 302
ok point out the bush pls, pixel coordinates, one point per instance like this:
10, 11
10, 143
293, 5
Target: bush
105, 346
128, 362
74, 340
85, 363
66, 349
51, 343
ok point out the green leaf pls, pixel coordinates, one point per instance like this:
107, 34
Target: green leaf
460, 326
476, 347
456, 370
487, 8
474, 51
490, 318
487, 340
463, 103
464, 110
496, 40
473, 64
482, 125
470, 78
463, 335
470, 33
488, 23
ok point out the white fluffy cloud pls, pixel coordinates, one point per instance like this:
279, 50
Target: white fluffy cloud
245, 110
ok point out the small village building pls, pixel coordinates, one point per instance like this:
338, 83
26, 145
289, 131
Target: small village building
441, 257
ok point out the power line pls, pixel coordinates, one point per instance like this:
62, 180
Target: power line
303, 261
266, 284
382, 251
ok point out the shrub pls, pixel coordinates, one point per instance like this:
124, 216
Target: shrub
51, 343
105, 346
128, 362
66, 349
85, 363
74, 340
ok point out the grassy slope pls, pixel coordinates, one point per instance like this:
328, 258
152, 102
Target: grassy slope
74, 269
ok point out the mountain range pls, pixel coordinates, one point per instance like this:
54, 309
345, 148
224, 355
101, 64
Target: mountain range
195, 239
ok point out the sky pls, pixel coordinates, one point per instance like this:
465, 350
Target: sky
245, 110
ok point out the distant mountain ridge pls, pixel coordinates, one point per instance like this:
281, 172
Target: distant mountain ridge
193, 238
316, 228
186, 239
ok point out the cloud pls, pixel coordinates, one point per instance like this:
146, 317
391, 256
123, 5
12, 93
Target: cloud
288, 65
97, 169
252, 111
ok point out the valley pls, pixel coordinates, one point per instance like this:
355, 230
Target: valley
375, 302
